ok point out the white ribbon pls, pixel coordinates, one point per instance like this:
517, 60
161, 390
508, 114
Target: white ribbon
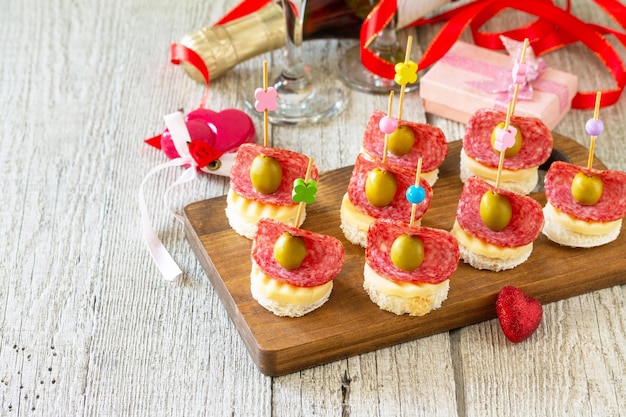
180, 136
175, 123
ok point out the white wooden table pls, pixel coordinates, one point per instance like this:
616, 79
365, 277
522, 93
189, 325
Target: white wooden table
89, 327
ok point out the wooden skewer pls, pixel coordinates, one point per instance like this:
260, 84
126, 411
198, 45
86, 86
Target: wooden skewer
417, 184
385, 143
407, 57
592, 144
501, 160
509, 113
307, 177
265, 112
511, 110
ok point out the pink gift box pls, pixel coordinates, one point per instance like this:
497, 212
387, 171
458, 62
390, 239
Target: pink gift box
447, 92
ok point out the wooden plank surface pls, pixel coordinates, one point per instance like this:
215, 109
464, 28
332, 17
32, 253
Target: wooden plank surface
349, 323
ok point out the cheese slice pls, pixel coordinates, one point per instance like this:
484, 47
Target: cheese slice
507, 175
354, 216
580, 226
402, 289
480, 247
252, 211
281, 292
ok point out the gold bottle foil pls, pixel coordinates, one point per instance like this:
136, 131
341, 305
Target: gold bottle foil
223, 47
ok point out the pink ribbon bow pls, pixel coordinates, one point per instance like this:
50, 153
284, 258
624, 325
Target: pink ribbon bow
524, 74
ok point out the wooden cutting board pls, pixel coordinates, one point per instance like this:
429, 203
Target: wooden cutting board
349, 323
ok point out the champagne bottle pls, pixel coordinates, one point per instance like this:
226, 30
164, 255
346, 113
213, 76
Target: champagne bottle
223, 47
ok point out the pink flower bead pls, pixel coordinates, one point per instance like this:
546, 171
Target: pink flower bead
504, 138
265, 99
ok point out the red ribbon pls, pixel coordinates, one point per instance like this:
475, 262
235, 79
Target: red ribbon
376, 20
553, 29
244, 8
180, 53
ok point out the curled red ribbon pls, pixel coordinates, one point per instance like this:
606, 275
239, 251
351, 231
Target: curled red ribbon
180, 53
244, 8
376, 20
553, 29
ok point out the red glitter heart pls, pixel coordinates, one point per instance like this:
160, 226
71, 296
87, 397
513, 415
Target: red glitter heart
519, 314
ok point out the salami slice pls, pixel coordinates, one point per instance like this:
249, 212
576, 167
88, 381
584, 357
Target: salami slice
441, 252
536, 140
610, 207
399, 209
294, 166
322, 263
430, 144
526, 219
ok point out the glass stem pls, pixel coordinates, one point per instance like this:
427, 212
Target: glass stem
294, 22
386, 44
294, 83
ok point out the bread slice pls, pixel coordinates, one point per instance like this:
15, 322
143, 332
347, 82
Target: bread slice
557, 233
354, 226
247, 228
525, 186
355, 223
239, 224
431, 177
413, 306
245, 223
289, 310
493, 264
264, 287
352, 232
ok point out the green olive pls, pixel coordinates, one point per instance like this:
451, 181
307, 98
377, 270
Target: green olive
380, 187
401, 141
266, 174
513, 150
289, 251
407, 252
586, 189
495, 210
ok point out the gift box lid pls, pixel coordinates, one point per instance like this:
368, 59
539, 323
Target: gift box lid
465, 79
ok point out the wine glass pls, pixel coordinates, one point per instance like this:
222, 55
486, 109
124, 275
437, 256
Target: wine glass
301, 98
385, 45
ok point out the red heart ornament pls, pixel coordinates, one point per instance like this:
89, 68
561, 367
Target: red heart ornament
518, 313
223, 131
202, 153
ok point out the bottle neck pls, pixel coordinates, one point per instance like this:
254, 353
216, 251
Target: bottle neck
223, 47
340, 19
